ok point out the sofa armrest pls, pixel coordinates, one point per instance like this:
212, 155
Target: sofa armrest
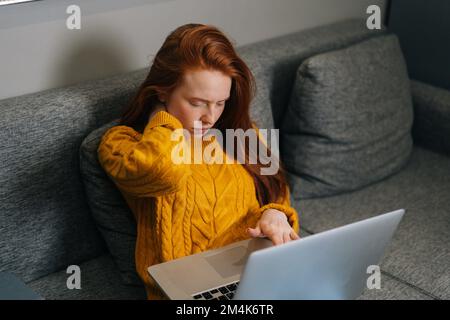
431, 127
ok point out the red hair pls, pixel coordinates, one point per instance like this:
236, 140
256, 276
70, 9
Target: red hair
198, 46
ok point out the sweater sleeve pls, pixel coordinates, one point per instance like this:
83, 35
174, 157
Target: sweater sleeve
285, 207
142, 166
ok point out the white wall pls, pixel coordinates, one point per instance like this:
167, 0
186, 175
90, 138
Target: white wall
38, 55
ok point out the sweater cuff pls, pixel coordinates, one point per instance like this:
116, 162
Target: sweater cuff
290, 212
163, 118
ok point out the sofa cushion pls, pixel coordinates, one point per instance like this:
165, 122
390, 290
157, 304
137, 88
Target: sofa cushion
419, 253
349, 120
274, 63
111, 213
100, 279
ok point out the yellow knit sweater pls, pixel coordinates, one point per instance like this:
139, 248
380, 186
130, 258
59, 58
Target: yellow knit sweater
180, 209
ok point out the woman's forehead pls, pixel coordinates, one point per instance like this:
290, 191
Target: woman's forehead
206, 84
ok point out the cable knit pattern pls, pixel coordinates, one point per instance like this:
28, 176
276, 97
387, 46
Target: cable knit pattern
190, 208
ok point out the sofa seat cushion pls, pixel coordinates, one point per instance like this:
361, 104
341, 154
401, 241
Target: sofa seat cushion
349, 120
394, 289
419, 253
100, 279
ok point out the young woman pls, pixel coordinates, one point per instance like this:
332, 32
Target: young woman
183, 208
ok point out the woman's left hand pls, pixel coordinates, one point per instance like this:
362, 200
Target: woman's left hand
274, 225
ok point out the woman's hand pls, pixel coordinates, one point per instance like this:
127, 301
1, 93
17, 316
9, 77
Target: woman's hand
161, 107
274, 225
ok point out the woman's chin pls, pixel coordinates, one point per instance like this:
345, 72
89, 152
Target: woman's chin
198, 134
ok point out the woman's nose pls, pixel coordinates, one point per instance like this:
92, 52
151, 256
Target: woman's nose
208, 116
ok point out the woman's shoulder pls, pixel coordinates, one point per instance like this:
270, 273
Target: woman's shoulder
118, 139
122, 131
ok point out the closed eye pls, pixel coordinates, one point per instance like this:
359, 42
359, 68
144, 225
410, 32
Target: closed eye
196, 104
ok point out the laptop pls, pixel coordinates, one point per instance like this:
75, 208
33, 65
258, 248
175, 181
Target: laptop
329, 265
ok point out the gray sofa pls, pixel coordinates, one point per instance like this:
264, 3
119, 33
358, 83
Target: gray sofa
46, 222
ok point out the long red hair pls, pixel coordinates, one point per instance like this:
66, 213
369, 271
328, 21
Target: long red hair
198, 46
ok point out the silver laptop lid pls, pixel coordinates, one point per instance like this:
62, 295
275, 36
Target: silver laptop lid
328, 265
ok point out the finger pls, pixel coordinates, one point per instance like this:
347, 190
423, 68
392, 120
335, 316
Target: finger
261, 234
254, 232
286, 237
277, 239
294, 235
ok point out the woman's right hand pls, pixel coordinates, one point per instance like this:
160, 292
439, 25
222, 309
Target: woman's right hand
163, 108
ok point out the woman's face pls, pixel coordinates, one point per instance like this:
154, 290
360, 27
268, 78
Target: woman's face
200, 97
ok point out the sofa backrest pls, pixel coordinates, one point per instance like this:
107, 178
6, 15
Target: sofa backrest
45, 222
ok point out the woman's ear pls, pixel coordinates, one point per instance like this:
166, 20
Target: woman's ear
162, 98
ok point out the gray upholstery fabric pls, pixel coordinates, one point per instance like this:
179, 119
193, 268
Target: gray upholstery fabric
431, 116
419, 253
45, 220
274, 63
110, 211
393, 289
100, 280
349, 120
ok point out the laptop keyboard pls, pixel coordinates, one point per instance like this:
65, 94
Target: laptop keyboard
222, 293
